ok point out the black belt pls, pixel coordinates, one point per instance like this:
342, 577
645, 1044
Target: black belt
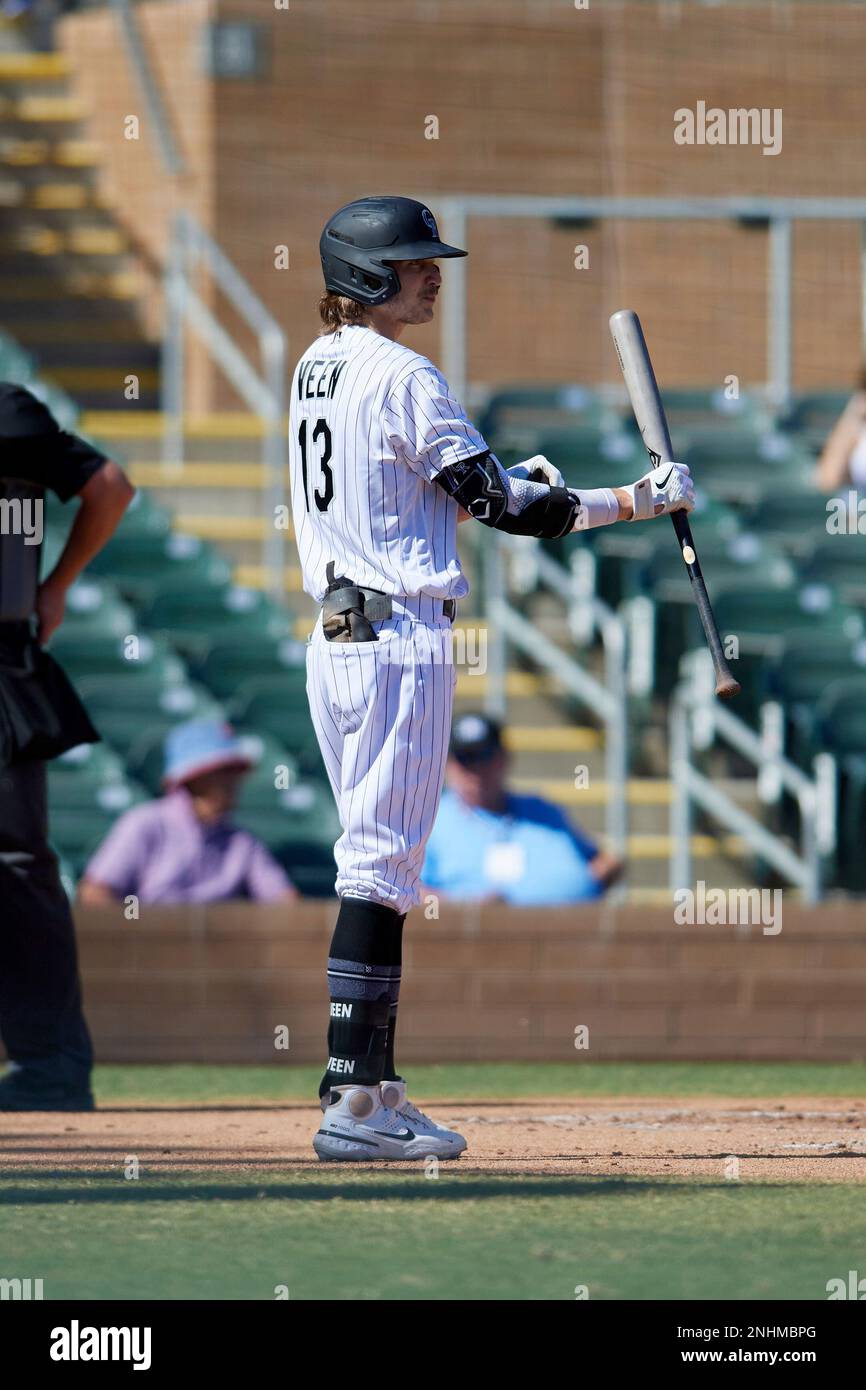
348, 609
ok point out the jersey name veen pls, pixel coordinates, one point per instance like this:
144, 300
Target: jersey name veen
371, 424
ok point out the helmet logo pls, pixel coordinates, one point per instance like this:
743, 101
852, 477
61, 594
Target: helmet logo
429, 221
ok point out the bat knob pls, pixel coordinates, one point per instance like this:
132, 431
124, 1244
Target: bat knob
727, 688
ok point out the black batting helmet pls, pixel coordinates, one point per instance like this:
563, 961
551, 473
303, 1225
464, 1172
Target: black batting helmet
362, 239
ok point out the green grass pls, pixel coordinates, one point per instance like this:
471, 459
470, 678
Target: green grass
212, 1085
370, 1237
343, 1234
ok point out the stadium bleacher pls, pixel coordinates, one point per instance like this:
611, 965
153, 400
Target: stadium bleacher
205, 644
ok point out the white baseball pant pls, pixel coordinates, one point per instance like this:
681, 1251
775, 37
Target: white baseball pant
382, 716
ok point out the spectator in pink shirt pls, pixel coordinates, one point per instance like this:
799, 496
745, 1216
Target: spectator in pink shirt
184, 847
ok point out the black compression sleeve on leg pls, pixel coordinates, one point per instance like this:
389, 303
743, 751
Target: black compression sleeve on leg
390, 1073
363, 971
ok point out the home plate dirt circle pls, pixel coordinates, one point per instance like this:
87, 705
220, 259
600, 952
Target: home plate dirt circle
800, 1140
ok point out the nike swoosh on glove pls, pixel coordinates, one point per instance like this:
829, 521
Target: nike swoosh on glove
538, 469
668, 488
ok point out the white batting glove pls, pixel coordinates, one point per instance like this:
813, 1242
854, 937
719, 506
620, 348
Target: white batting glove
538, 469
668, 488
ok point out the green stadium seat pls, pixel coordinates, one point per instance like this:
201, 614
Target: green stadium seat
301, 834
590, 457
738, 466
280, 692
732, 561
282, 715
851, 817
77, 831
260, 791
807, 664
144, 517
94, 608
839, 561
120, 707
104, 654
841, 716
226, 665
142, 565
739, 562
691, 410
536, 407
813, 414
840, 724
794, 518
112, 798
623, 552
277, 706
762, 618
193, 619
88, 766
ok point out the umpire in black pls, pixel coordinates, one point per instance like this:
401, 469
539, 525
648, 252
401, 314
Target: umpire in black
41, 1021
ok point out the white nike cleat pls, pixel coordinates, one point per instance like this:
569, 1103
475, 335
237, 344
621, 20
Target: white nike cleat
358, 1126
394, 1095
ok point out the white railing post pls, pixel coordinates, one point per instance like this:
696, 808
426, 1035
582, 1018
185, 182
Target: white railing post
616, 735
173, 372
453, 297
494, 563
779, 312
263, 390
679, 724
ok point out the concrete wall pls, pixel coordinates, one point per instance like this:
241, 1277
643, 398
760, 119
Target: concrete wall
212, 984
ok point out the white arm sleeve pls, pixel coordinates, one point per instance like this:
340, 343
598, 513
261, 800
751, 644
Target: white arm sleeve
598, 507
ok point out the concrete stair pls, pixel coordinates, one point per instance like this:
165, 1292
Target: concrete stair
69, 287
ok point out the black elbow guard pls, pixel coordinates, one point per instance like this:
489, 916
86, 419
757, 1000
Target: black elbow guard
548, 519
477, 485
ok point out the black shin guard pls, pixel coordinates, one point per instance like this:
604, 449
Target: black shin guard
363, 983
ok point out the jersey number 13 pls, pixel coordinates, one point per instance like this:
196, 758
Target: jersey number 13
321, 432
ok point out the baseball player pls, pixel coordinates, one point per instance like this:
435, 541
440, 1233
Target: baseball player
384, 463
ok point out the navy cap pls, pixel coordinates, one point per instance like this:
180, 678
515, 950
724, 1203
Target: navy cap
475, 738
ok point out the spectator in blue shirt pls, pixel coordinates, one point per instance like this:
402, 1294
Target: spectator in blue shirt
489, 844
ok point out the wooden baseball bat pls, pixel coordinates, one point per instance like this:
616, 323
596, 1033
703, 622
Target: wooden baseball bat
646, 403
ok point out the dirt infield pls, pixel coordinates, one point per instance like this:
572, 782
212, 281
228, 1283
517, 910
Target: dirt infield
803, 1140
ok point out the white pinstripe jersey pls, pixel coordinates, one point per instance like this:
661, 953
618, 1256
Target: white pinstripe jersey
371, 424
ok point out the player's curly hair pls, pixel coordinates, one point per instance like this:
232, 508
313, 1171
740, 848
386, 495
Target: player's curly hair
338, 311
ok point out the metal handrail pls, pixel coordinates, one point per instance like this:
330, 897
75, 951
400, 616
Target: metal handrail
264, 390
697, 721
151, 89
778, 214
607, 699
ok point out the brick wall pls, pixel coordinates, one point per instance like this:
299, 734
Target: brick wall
212, 984
530, 97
